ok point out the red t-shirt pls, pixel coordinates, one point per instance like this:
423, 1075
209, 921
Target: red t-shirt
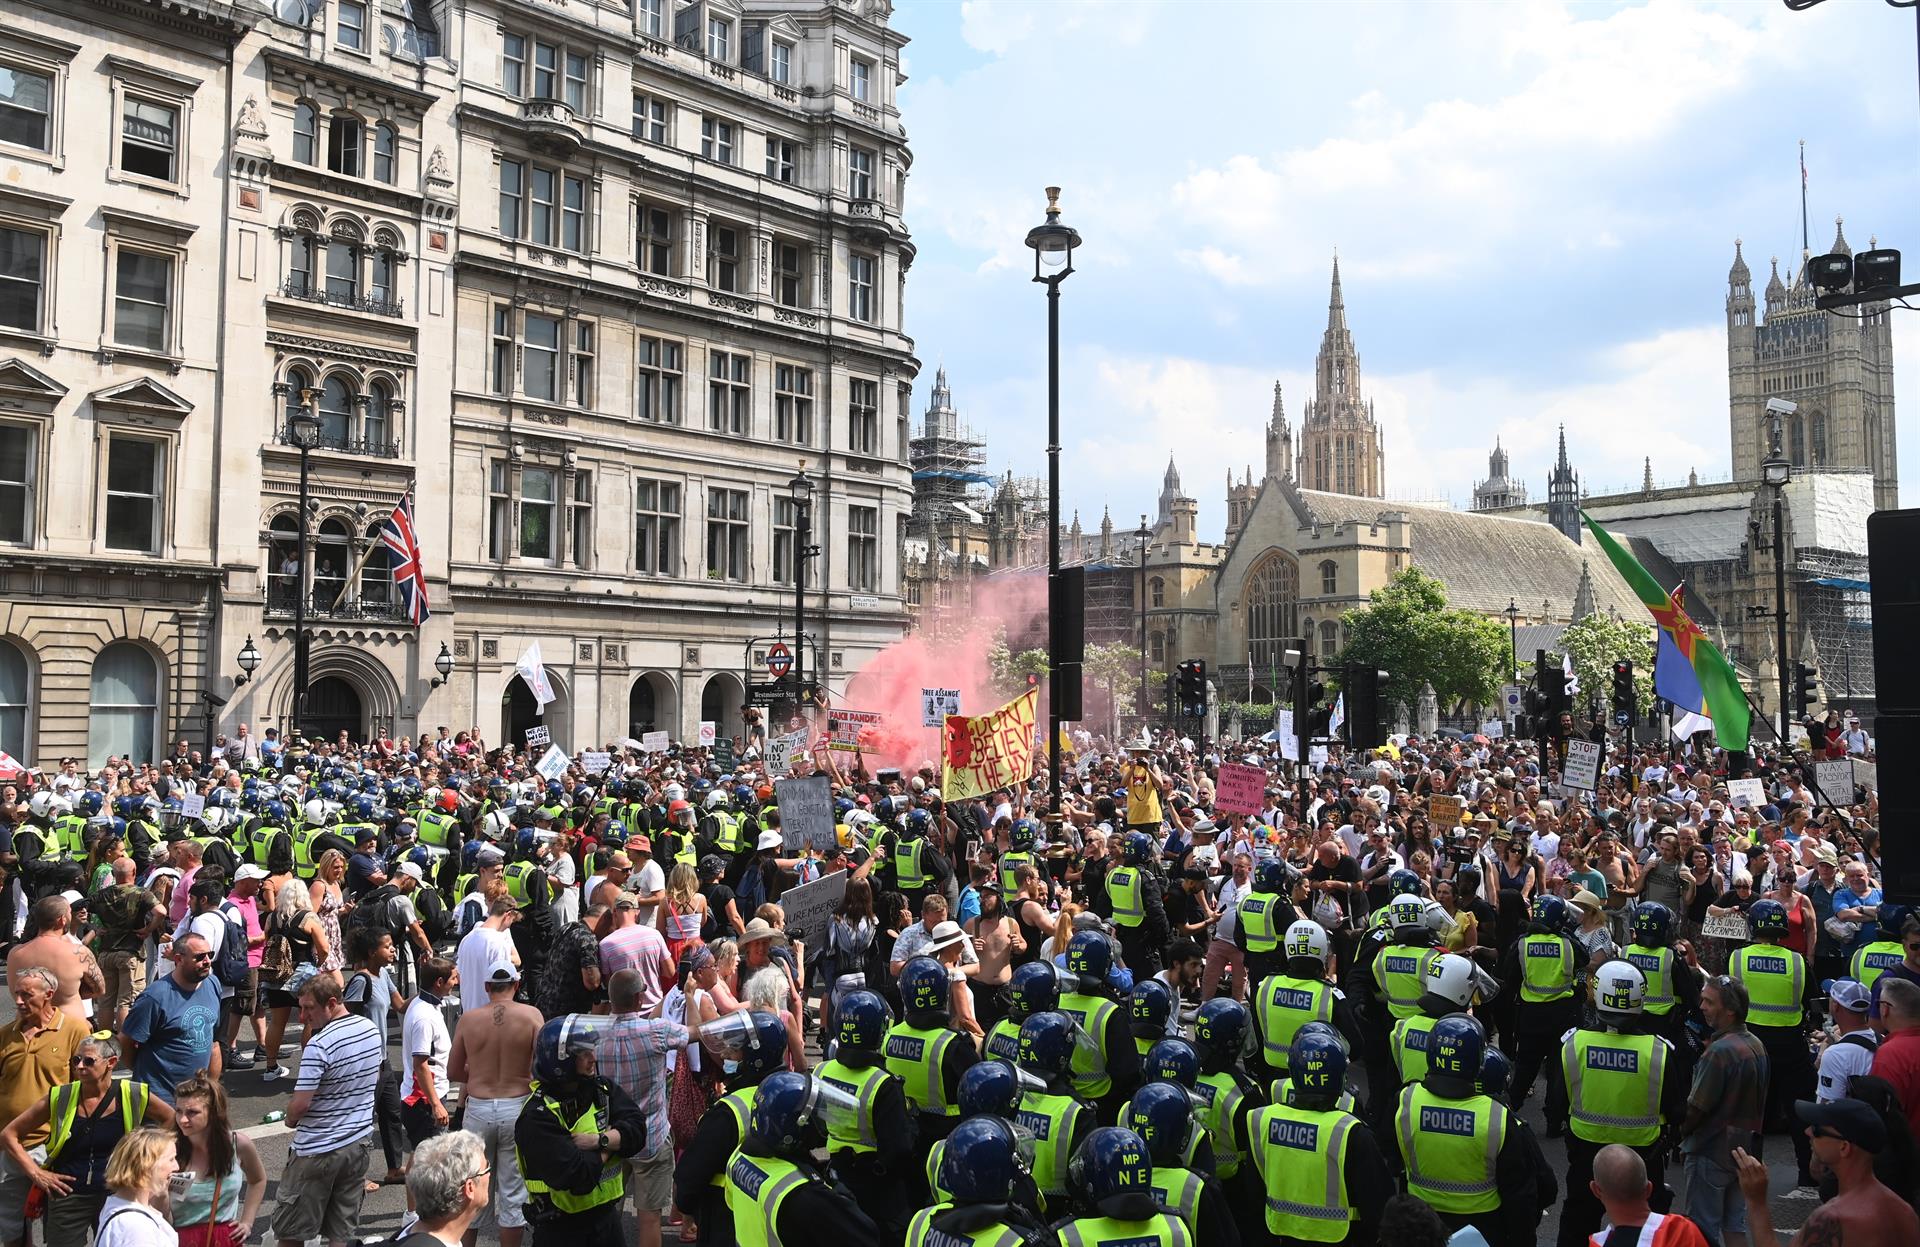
1898, 1061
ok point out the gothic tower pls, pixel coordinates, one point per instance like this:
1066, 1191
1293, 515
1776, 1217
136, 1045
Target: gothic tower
1279, 439
1339, 442
1563, 495
1837, 371
1500, 489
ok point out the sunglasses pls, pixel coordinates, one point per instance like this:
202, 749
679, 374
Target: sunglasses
199, 957
1827, 1132
483, 1173
86, 1061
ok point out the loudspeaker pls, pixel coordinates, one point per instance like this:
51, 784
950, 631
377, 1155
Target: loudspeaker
1898, 736
1892, 537
1067, 639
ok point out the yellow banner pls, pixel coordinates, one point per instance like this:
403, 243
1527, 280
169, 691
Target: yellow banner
989, 751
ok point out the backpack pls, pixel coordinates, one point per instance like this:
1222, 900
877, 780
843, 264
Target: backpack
375, 910
230, 963
435, 918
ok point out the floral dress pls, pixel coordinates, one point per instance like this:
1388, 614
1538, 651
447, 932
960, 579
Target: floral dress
329, 914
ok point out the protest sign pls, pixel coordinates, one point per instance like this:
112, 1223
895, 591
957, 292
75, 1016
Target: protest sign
595, 762
1317, 757
706, 733
1866, 775
1289, 739
1835, 781
784, 749
1444, 810
539, 736
655, 742
1493, 729
1583, 765
809, 907
936, 704
1240, 789
849, 730
806, 811
553, 763
193, 805
989, 751
1748, 794
1726, 927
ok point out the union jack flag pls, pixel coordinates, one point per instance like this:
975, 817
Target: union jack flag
403, 552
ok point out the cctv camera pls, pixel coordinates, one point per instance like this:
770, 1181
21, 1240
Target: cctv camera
1781, 407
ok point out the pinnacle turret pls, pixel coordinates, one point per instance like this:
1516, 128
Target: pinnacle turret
1738, 275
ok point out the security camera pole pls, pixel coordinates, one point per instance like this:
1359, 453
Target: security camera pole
1776, 471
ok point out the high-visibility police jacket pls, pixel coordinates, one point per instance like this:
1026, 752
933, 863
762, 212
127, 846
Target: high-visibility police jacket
1003, 1041
1409, 1046
1220, 1100
737, 1104
1091, 1012
1124, 887
729, 840
864, 1086
1301, 1155
303, 838
1870, 961
920, 1232
261, 841
1774, 977
44, 839
516, 876
756, 1187
684, 852
72, 831
1009, 865
1451, 1149
1054, 1121
1613, 1086
1256, 921
1179, 1191
350, 832
1285, 1004
1546, 968
1400, 972
1282, 1091
63, 1106
437, 829
907, 873
1656, 966
916, 1055
612, 1186
1162, 1228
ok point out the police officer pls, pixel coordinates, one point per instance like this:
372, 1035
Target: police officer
1322, 1176
1110, 1077
1299, 993
926, 1056
1496, 1075
1265, 913
1884, 951
1619, 1088
1033, 988
1456, 1145
1058, 1118
1389, 975
1541, 966
994, 1089
1139, 913
912, 862
1673, 983
1225, 1093
980, 1172
268, 844
530, 891
1450, 986
869, 1153
1183, 1180
1148, 1011
573, 1137
1020, 842
1111, 1181
750, 1046
777, 1196
1776, 982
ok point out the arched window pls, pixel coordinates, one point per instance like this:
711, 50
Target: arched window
1273, 595
377, 428
1329, 638
385, 147
386, 271
1817, 439
376, 578
306, 134
1329, 578
332, 560
1157, 647
283, 561
299, 381
1157, 592
336, 412
15, 702
124, 710
343, 268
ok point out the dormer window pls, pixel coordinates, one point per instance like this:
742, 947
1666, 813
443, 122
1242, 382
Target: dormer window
719, 39
780, 63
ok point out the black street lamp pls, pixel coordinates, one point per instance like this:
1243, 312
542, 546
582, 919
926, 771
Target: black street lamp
1513, 637
800, 488
1053, 245
1141, 537
443, 663
303, 431
249, 661
1775, 471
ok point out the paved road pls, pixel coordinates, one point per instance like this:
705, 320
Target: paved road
251, 1099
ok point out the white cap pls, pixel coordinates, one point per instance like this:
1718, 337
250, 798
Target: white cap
412, 870
248, 871
502, 970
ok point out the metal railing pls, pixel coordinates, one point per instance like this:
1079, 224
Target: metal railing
339, 443
353, 301
281, 599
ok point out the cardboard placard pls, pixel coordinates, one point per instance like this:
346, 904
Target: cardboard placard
655, 742
193, 805
1445, 810
1727, 927
553, 763
707, 733
1317, 757
784, 749
1835, 780
1748, 794
936, 704
1241, 789
809, 907
595, 761
1289, 740
806, 811
1866, 774
849, 731
1493, 729
539, 736
1583, 765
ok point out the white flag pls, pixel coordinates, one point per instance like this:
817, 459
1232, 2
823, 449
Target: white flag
1573, 680
1339, 715
1688, 723
534, 672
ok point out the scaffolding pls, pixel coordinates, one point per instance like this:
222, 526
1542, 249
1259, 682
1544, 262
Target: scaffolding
1836, 618
947, 459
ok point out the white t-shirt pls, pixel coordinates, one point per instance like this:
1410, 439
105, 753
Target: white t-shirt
562, 874
211, 927
424, 1033
479, 949
649, 878
1841, 1061
1230, 894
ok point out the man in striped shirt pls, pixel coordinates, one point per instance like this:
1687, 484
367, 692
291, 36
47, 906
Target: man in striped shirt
332, 1116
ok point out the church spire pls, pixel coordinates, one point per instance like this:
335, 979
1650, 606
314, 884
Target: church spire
1563, 495
1336, 302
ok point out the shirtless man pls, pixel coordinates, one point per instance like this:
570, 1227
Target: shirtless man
492, 1059
1846, 1135
79, 974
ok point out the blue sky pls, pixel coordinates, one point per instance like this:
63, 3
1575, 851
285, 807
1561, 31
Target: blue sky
1534, 206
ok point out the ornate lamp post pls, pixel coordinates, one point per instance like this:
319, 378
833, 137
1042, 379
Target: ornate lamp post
303, 431
800, 488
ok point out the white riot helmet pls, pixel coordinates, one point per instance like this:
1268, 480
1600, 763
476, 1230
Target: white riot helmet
1619, 989
498, 824
48, 804
717, 800
674, 793
1306, 938
1450, 977
319, 812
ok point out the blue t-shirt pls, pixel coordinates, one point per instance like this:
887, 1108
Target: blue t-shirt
1847, 898
175, 1030
969, 905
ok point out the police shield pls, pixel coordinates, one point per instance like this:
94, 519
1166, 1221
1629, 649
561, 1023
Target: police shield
835, 1108
729, 1037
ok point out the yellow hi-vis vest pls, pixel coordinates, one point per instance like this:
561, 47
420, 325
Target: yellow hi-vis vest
916, 1055
63, 1105
303, 838
72, 832
1124, 892
1012, 862
756, 1187
1409, 1045
1282, 1091
1179, 1191
261, 839
1774, 977
1162, 1229
906, 866
1282, 1006
728, 841
1870, 961
1003, 1041
1451, 1149
1220, 1100
1400, 972
613, 1173
437, 829
1656, 966
1613, 1086
920, 1232
864, 1086
1053, 1120
1546, 968
1301, 1155
516, 876
1256, 921
737, 1104
1091, 1012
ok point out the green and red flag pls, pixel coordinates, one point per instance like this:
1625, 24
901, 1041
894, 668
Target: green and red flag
1720, 696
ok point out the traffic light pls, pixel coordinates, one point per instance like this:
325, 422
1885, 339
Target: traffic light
1622, 693
1191, 688
1366, 704
1804, 679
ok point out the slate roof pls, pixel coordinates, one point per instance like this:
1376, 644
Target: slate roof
1487, 560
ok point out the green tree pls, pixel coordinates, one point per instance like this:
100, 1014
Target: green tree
1596, 643
1408, 631
1116, 669
1010, 670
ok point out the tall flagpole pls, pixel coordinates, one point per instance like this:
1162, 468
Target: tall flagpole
1805, 245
